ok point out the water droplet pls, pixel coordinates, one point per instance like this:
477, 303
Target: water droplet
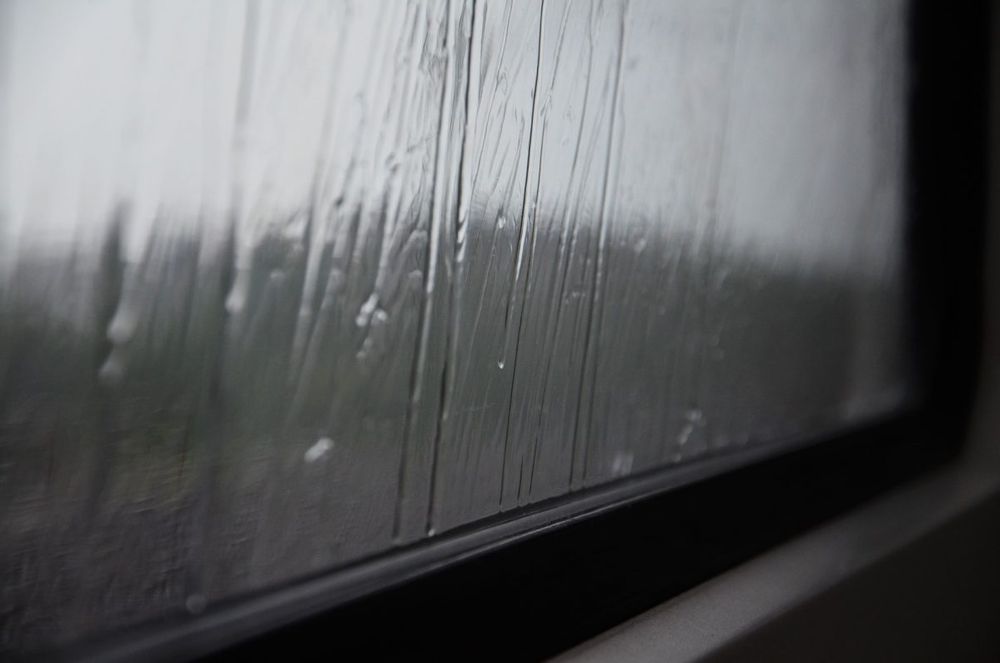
195, 604
366, 310
112, 371
318, 450
123, 326
694, 419
622, 463
237, 297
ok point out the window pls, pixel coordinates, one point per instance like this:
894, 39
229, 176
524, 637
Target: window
291, 290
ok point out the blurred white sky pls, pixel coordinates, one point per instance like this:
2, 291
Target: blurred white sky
113, 98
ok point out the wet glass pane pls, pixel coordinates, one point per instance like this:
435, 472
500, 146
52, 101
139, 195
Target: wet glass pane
287, 284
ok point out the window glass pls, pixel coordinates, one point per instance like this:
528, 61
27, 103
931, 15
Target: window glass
287, 284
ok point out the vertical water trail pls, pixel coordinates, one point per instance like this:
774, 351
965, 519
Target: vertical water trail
448, 367
593, 333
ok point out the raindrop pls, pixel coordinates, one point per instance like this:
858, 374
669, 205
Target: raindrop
195, 604
321, 448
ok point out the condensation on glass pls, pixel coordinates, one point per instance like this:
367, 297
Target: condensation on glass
285, 284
